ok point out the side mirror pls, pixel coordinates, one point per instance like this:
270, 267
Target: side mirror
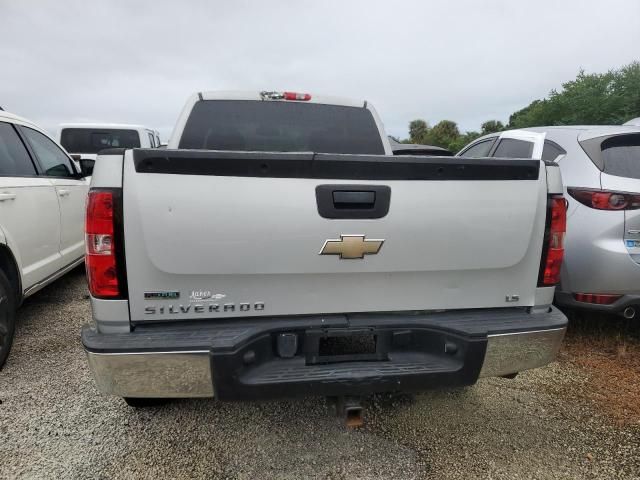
86, 167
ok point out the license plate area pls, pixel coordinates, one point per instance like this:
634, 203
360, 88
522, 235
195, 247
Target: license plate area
335, 346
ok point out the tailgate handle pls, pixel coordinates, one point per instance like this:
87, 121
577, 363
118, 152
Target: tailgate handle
353, 201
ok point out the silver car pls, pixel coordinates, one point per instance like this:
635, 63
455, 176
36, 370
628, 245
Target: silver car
600, 168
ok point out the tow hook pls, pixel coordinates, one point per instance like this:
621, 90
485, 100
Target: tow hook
349, 409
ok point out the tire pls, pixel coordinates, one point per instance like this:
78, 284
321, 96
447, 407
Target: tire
145, 402
8, 307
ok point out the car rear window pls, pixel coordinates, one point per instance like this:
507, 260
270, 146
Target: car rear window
86, 140
621, 156
275, 126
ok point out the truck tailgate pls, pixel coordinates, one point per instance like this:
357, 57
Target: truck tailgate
227, 234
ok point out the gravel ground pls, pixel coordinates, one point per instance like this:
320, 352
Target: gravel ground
54, 423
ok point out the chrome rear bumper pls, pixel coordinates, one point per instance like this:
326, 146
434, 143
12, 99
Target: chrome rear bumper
511, 353
145, 364
153, 374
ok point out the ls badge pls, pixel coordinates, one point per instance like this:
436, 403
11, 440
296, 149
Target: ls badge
351, 247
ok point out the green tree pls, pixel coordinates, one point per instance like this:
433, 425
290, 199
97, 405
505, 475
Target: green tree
463, 140
418, 130
609, 98
491, 126
444, 134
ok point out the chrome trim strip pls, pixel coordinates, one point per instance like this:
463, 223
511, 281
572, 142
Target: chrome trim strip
514, 352
153, 374
54, 276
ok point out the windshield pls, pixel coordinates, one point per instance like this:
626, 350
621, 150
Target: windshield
87, 140
270, 126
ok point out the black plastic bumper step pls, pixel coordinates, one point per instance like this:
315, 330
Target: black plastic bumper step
290, 371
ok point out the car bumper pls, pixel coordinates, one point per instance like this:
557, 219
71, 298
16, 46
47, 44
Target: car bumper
566, 299
240, 359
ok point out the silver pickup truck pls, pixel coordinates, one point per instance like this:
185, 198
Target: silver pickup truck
277, 248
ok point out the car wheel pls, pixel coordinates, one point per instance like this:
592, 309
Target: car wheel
145, 402
7, 317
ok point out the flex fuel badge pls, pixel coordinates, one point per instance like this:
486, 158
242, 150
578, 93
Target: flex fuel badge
161, 295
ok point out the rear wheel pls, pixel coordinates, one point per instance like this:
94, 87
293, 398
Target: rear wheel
145, 402
7, 317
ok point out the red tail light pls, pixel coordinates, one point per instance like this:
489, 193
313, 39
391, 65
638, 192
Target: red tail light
596, 298
296, 96
102, 272
301, 97
553, 251
605, 199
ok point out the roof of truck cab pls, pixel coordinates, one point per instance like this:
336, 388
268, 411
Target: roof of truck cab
255, 95
105, 125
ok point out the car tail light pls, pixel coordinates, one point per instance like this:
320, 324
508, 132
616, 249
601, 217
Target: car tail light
101, 243
296, 96
596, 298
605, 199
301, 97
553, 250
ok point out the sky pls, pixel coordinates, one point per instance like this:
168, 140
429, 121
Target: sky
462, 60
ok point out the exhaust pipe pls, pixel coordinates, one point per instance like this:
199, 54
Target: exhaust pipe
629, 313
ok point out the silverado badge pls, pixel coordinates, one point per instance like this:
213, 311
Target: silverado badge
351, 246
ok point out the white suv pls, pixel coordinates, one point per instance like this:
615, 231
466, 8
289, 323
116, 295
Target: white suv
42, 199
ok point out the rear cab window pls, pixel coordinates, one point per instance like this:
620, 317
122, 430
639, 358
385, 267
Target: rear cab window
86, 140
280, 126
621, 156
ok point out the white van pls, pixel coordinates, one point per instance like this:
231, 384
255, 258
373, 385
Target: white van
85, 140
42, 202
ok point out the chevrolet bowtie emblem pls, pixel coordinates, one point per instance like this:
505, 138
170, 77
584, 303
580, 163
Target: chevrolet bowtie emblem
351, 246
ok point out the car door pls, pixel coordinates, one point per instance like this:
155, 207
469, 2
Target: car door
70, 189
29, 212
